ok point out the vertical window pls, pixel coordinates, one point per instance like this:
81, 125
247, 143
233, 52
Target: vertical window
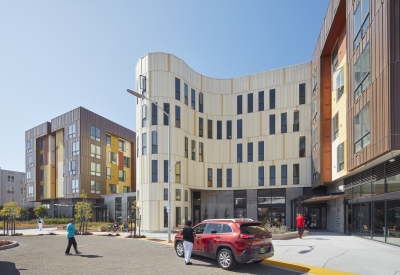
250, 103
250, 151
41, 191
154, 174
121, 175
362, 129
283, 122
361, 21
186, 91
153, 114
165, 217
28, 146
186, 196
193, 150
112, 188
30, 160
335, 126
261, 176
239, 104
178, 214
340, 157
361, 72
95, 169
201, 151
177, 89
193, 99
335, 58
144, 144
108, 140
42, 144
178, 194
94, 133
41, 159
239, 128
137, 146
209, 177
127, 162
113, 158
41, 174
72, 167
75, 148
339, 84
209, 128
302, 147
315, 140
315, 169
95, 187
239, 153
186, 147
302, 93
201, 126
165, 194
296, 121
178, 173
177, 117
165, 170
314, 111
229, 177
272, 175
186, 213
95, 151
240, 203
272, 99
121, 145
144, 109
108, 172
296, 173
71, 131
261, 101
154, 145
219, 129
219, 177
271, 124
261, 150
166, 109
127, 189
284, 174
200, 102
75, 186
314, 80
229, 129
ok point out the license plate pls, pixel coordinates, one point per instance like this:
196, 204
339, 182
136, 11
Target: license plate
262, 250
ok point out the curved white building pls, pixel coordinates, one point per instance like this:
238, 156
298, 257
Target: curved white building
244, 143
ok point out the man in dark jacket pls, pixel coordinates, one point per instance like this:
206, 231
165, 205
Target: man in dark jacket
188, 240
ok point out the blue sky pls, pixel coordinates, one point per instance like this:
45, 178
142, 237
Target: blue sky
58, 55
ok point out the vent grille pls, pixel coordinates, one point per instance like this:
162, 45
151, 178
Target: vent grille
378, 172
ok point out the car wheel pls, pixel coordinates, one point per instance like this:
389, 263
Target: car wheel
179, 249
225, 259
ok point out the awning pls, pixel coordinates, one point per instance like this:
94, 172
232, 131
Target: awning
325, 198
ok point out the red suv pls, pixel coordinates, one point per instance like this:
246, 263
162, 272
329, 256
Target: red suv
230, 241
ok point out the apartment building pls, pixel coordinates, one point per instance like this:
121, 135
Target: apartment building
12, 187
78, 152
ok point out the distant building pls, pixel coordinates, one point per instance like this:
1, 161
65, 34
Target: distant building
78, 151
12, 187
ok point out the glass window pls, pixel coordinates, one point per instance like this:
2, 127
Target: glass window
200, 102
284, 174
193, 99
165, 194
219, 177
127, 162
335, 126
112, 188
261, 176
229, 129
153, 114
178, 215
302, 147
209, 128
271, 124
362, 129
42, 144
209, 177
95, 169
239, 104
335, 58
393, 183
95, 151
121, 145
94, 133
127, 189
154, 146
177, 117
315, 140
186, 196
250, 103
113, 158
165, 170
108, 140
186, 91
340, 157
201, 126
362, 72
95, 187
361, 21
240, 203
178, 173
296, 121
261, 101
272, 99
302, 93
314, 80
178, 194
75, 148
154, 174
239, 128
177, 89
28, 146
314, 111
272, 175
193, 150
315, 169
186, 147
283, 122
219, 129
166, 109
108, 172
261, 150
165, 217
239, 153
71, 131
121, 175
296, 173
144, 144
250, 151
339, 84
229, 177
201, 151
41, 159
72, 167
144, 112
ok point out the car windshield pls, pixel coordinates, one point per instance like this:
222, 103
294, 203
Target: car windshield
255, 229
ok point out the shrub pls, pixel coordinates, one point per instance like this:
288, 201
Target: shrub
275, 229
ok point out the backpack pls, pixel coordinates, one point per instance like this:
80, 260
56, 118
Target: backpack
39, 220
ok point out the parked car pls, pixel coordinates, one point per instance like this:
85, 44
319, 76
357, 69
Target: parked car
230, 241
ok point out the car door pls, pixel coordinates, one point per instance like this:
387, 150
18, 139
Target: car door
211, 238
198, 239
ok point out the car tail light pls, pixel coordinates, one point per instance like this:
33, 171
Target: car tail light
247, 236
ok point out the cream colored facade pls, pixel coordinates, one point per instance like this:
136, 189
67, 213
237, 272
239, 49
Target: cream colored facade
220, 99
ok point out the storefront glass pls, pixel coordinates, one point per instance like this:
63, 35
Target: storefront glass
378, 232
393, 222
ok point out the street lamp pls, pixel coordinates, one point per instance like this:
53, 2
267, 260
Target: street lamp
138, 95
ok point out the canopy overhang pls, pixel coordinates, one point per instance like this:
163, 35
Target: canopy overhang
324, 198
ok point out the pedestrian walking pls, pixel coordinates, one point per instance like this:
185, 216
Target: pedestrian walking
300, 225
40, 223
188, 240
308, 217
71, 231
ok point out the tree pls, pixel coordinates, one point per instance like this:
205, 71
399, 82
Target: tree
11, 210
24, 212
83, 212
40, 211
133, 216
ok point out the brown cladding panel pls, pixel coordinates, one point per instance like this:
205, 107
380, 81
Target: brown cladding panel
394, 30
395, 100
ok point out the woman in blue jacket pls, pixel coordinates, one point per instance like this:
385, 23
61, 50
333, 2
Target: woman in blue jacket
71, 229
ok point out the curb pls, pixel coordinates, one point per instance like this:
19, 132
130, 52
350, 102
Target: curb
14, 244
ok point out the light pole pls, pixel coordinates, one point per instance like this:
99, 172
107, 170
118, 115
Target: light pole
138, 95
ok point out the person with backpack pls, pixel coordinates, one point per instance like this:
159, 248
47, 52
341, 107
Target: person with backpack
188, 240
40, 223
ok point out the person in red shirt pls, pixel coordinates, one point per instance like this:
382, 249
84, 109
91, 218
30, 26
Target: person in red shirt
300, 224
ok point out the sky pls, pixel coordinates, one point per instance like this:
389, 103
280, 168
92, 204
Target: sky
58, 55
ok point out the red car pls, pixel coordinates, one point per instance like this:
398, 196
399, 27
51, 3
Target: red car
230, 241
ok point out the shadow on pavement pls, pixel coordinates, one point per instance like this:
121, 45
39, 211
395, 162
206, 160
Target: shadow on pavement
91, 256
8, 268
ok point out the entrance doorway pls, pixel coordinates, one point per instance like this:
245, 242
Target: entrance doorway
196, 208
318, 216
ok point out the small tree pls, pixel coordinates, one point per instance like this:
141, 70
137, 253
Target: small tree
83, 212
24, 212
40, 211
134, 217
11, 210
